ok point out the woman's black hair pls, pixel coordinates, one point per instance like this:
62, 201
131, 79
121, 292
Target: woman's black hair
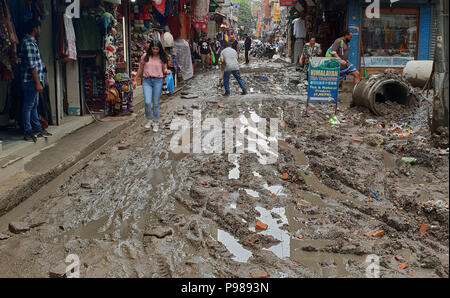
162, 53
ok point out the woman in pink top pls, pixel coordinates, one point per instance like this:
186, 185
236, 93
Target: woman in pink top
152, 69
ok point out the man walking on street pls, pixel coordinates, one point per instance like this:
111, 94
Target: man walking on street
235, 45
340, 49
204, 49
32, 72
248, 46
230, 57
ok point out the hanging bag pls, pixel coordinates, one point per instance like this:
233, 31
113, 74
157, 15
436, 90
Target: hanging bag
170, 83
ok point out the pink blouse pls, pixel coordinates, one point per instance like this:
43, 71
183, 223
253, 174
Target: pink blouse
153, 68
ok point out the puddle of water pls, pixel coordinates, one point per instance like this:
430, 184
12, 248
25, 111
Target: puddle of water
260, 139
256, 174
282, 249
252, 193
299, 156
314, 183
322, 263
275, 189
239, 252
388, 160
234, 173
312, 198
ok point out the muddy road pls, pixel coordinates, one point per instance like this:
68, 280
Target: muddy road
336, 194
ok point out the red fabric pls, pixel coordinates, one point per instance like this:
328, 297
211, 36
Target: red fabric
200, 26
174, 25
160, 5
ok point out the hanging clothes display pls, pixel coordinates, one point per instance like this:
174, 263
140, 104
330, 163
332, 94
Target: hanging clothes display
174, 25
160, 5
71, 39
8, 43
200, 15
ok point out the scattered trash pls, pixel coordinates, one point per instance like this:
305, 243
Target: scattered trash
403, 266
334, 121
444, 152
285, 176
361, 140
374, 194
261, 226
378, 234
375, 233
410, 160
259, 275
423, 228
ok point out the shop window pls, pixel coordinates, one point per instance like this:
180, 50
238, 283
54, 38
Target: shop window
391, 39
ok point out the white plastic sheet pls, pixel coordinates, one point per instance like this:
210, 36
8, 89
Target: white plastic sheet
184, 59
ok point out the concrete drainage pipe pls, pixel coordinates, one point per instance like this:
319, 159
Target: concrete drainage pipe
379, 88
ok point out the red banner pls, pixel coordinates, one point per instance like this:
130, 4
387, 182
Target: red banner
287, 2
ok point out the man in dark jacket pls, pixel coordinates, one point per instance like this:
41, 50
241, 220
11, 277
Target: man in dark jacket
248, 46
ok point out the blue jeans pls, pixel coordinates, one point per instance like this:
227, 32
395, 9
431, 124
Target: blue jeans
152, 92
237, 76
30, 117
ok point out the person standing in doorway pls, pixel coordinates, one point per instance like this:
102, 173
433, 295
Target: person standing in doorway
299, 35
230, 57
153, 69
248, 46
32, 71
340, 49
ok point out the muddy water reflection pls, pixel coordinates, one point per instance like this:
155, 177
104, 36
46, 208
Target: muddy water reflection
282, 249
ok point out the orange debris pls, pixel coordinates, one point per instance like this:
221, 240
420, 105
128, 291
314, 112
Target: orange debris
261, 226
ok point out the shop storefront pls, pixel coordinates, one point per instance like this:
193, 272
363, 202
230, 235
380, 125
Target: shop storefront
401, 34
13, 15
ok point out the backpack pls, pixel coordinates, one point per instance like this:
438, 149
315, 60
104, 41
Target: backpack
341, 46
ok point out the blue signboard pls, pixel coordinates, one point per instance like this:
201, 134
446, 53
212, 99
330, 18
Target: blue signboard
323, 82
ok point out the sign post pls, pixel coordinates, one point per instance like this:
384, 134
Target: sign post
323, 81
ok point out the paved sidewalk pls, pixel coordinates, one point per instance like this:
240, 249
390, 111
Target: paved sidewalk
26, 167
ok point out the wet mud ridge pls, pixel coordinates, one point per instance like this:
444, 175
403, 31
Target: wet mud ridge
338, 192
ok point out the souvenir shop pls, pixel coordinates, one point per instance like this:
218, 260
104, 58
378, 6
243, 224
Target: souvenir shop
325, 20
13, 14
164, 20
103, 57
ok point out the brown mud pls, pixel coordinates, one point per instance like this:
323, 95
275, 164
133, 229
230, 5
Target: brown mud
344, 183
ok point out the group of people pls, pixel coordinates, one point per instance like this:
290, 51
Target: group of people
153, 69
339, 49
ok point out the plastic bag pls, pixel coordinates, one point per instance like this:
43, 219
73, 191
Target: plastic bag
170, 83
213, 58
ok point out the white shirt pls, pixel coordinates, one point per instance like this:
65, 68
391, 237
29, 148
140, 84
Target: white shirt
299, 28
231, 59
